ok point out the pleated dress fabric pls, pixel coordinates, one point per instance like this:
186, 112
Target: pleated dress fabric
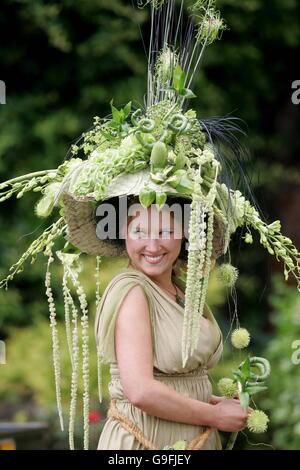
193, 381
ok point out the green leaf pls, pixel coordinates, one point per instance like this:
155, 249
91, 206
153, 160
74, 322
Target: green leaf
178, 78
245, 368
147, 197
127, 109
253, 389
187, 93
115, 112
160, 200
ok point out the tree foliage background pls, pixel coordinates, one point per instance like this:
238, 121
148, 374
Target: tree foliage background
63, 61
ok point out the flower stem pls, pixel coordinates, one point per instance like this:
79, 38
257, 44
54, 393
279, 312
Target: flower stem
231, 441
29, 176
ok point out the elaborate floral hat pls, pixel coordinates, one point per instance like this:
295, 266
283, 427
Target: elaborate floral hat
160, 150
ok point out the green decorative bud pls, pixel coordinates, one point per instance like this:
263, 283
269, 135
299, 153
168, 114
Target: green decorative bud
45, 205
160, 200
240, 338
159, 155
227, 274
258, 421
147, 197
275, 226
180, 161
248, 238
227, 387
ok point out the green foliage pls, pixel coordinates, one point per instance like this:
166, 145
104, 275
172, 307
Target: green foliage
282, 399
29, 367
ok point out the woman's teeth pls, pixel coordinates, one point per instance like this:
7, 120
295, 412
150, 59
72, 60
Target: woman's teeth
153, 259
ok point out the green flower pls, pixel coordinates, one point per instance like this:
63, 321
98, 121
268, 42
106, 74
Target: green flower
258, 421
248, 238
165, 64
227, 387
227, 274
46, 204
240, 338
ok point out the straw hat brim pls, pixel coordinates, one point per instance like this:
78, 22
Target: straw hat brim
79, 213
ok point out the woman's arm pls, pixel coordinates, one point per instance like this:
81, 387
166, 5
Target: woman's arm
133, 345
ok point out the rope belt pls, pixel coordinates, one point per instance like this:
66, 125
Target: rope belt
113, 412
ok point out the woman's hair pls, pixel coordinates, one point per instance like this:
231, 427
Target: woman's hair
122, 217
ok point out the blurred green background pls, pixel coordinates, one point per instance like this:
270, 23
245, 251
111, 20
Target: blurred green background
62, 62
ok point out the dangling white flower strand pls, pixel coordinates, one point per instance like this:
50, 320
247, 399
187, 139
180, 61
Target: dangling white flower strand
197, 238
98, 283
205, 277
55, 339
99, 357
85, 361
199, 258
74, 380
72, 267
67, 303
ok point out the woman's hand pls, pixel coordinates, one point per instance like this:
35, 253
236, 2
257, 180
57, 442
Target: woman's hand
230, 416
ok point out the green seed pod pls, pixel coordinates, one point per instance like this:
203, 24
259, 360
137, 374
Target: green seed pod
147, 197
180, 161
159, 155
160, 200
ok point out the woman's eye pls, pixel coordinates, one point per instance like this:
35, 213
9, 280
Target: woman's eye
166, 233
139, 232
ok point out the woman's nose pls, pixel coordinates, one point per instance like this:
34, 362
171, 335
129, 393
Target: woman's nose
153, 245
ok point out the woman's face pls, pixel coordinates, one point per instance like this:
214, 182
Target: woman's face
154, 239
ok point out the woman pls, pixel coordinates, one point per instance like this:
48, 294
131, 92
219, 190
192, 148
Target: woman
160, 149
140, 319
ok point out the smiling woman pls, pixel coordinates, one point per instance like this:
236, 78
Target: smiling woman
155, 400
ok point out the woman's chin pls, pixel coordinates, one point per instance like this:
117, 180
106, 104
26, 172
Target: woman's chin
154, 268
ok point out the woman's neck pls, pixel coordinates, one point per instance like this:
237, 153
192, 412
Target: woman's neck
163, 280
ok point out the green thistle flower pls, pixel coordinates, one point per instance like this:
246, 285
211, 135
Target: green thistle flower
258, 421
227, 387
165, 64
240, 338
227, 274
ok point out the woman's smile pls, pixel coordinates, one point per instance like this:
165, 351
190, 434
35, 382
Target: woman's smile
153, 259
